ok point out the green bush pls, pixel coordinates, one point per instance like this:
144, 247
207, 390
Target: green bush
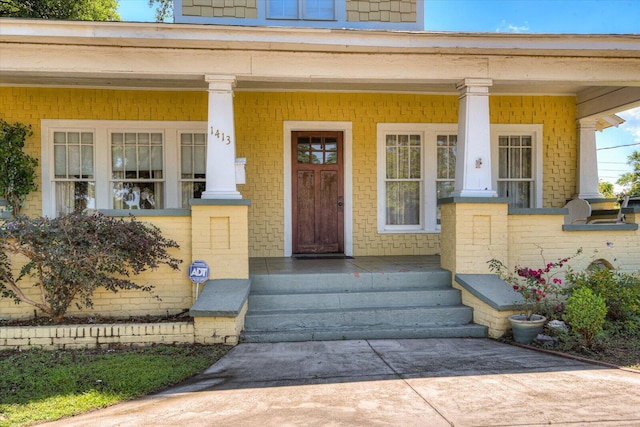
72, 255
17, 169
620, 291
586, 313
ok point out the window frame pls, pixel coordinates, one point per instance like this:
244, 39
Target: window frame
535, 132
301, 13
194, 180
103, 178
55, 179
428, 204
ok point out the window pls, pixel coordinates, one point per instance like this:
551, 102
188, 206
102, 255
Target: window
403, 179
417, 163
446, 173
317, 150
517, 164
515, 177
416, 166
100, 164
73, 171
137, 170
321, 10
193, 166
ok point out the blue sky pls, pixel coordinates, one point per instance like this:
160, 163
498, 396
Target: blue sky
524, 16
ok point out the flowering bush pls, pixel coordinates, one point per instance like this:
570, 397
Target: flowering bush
534, 284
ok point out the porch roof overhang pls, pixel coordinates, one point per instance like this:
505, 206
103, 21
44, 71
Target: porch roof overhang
600, 70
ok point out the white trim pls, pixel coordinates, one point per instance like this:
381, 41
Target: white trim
429, 133
347, 148
535, 130
102, 165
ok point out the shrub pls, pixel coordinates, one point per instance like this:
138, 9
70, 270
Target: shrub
620, 291
70, 256
586, 313
534, 284
17, 169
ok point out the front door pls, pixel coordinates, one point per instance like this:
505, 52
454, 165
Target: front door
318, 213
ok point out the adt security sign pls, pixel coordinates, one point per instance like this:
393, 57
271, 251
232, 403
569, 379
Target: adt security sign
199, 272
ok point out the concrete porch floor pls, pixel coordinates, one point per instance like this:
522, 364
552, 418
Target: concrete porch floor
358, 264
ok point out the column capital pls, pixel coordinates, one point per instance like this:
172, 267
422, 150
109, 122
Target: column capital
220, 83
474, 86
587, 123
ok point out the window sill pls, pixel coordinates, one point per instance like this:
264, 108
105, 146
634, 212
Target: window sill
408, 231
145, 212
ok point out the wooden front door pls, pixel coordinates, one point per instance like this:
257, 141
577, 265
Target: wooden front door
318, 205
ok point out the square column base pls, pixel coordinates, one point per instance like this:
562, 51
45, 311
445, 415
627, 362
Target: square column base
220, 237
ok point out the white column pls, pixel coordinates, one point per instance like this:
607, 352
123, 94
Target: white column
221, 140
587, 179
473, 160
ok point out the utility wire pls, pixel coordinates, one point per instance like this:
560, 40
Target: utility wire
617, 146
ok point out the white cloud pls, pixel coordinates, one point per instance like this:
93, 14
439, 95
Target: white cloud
504, 27
632, 123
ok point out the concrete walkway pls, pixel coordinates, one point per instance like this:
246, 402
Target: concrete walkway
429, 382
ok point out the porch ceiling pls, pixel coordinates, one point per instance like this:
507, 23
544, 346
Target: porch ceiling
178, 56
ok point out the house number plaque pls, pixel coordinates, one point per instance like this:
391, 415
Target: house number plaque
221, 136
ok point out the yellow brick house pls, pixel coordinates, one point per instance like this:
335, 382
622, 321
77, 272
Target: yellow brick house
329, 127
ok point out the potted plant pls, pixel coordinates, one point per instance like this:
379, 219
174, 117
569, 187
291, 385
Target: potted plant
533, 284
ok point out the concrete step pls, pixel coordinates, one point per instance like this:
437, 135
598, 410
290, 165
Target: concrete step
359, 317
329, 305
351, 281
327, 300
355, 333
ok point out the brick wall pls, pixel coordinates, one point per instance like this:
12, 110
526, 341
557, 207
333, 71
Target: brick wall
90, 336
173, 287
529, 234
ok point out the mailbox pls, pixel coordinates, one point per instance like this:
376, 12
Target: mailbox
241, 176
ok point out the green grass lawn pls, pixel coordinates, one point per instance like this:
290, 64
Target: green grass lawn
38, 385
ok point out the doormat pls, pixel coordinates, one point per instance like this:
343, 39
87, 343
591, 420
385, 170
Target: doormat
322, 256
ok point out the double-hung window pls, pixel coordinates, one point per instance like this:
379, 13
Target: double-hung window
403, 180
417, 164
73, 171
193, 165
416, 167
446, 166
101, 164
137, 169
316, 10
517, 164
